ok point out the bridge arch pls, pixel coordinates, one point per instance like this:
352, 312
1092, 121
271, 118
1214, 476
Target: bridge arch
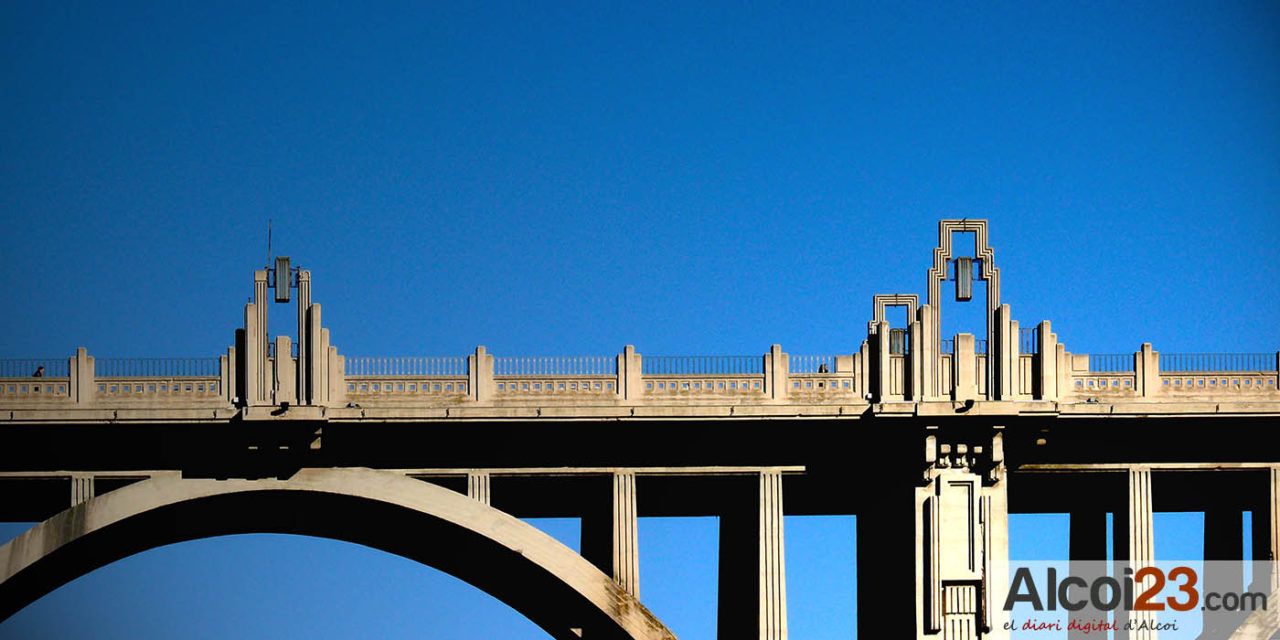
511, 560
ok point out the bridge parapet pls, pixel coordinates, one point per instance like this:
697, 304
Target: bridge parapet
898, 366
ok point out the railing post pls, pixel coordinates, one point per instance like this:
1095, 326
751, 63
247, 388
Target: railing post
777, 374
630, 384
80, 383
480, 375
1147, 366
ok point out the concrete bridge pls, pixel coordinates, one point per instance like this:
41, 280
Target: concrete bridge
930, 440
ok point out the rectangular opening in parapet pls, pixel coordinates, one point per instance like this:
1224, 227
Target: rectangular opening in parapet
963, 317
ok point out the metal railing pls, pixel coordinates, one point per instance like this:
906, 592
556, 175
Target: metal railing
812, 364
555, 366
701, 365
26, 367
156, 367
406, 366
947, 345
1029, 341
1198, 362
1110, 362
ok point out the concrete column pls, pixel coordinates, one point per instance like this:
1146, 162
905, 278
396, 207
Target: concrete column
480, 375
610, 533
964, 369
1088, 555
316, 388
1046, 363
864, 382
630, 382
1003, 359
254, 358
81, 488
337, 375
753, 590
1147, 365
1063, 365
1266, 535
478, 486
1224, 566
928, 358
262, 391
81, 385
913, 364
962, 540
881, 387
305, 352
1134, 545
286, 372
777, 372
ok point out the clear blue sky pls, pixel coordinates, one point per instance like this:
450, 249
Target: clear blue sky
686, 177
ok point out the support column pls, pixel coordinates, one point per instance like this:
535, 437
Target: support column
1266, 535
81, 488
478, 486
1088, 557
1224, 566
962, 537
753, 590
1135, 547
610, 533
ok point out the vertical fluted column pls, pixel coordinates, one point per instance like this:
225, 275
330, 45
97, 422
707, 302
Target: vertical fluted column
82, 489
773, 569
478, 486
306, 349
753, 590
259, 337
1135, 546
610, 531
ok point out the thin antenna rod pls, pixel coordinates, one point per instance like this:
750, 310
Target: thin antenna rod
268, 242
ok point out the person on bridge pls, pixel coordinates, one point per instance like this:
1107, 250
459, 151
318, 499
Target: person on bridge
39, 372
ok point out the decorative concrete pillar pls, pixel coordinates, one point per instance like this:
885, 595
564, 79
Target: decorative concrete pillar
317, 348
80, 385
1135, 546
964, 368
753, 590
777, 370
962, 537
881, 369
305, 337
1004, 357
81, 488
480, 375
927, 360
610, 533
253, 360
1046, 363
261, 337
286, 373
478, 486
630, 377
1147, 367
337, 374
1088, 556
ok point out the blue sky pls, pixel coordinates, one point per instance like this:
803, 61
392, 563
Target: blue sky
685, 177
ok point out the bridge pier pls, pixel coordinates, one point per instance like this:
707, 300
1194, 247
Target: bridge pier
1135, 547
1088, 555
753, 589
610, 533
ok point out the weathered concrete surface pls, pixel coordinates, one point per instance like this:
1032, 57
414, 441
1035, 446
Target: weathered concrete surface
513, 561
